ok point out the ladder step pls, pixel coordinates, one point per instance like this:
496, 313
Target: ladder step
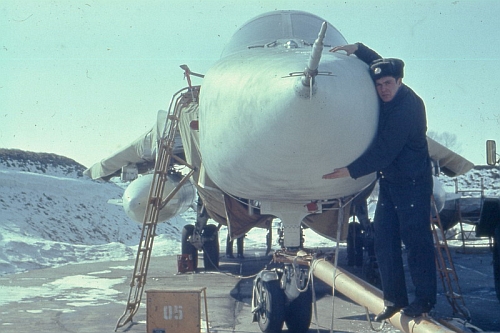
144, 251
453, 295
131, 305
445, 269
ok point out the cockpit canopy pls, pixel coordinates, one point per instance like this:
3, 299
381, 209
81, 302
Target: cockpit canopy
287, 28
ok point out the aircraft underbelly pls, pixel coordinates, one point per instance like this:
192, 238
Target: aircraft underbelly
262, 138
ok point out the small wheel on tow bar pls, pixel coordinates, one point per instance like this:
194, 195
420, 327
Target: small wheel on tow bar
269, 299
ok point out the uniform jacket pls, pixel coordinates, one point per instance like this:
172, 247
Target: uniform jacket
399, 151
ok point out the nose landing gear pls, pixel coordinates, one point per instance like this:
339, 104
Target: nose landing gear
282, 295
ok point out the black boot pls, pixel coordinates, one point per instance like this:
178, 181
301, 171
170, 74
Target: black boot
387, 313
417, 308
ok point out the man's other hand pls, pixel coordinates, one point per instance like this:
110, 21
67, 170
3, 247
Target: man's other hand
349, 48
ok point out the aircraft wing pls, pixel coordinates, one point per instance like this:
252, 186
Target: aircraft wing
141, 150
451, 163
137, 152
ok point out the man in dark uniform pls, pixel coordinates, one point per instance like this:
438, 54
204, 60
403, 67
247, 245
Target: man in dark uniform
399, 154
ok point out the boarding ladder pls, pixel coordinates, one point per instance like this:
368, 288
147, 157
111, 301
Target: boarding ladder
445, 266
471, 218
156, 202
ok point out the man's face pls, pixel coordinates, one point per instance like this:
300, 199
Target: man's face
387, 87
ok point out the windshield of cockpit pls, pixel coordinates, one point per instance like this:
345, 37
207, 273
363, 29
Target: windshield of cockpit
274, 28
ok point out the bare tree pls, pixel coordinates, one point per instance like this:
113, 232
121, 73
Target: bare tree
447, 139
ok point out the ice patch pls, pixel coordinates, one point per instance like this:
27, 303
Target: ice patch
74, 290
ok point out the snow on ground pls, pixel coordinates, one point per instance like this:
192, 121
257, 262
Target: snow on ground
472, 181
49, 220
51, 215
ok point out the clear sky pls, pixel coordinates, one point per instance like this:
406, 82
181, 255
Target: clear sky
85, 78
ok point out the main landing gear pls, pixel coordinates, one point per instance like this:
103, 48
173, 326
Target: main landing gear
201, 236
208, 241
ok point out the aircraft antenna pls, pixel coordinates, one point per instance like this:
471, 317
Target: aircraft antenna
312, 66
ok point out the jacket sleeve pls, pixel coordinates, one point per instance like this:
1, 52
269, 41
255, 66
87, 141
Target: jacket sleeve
366, 54
390, 140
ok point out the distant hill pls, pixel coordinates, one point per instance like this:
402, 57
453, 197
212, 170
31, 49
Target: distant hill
40, 162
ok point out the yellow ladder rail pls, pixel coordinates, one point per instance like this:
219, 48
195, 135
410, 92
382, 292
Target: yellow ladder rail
445, 266
155, 204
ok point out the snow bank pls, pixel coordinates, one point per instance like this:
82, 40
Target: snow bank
51, 215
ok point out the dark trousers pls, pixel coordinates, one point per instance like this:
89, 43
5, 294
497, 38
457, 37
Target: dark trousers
403, 214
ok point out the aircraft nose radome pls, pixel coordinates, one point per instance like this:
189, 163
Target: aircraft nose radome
252, 121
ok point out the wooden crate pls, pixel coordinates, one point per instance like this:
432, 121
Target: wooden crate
173, 311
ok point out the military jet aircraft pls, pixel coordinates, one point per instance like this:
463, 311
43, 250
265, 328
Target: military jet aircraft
272, 116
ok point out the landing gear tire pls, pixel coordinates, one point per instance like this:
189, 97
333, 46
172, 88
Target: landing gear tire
211, 247
298, 313
496, 260
270, 300
187, 247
